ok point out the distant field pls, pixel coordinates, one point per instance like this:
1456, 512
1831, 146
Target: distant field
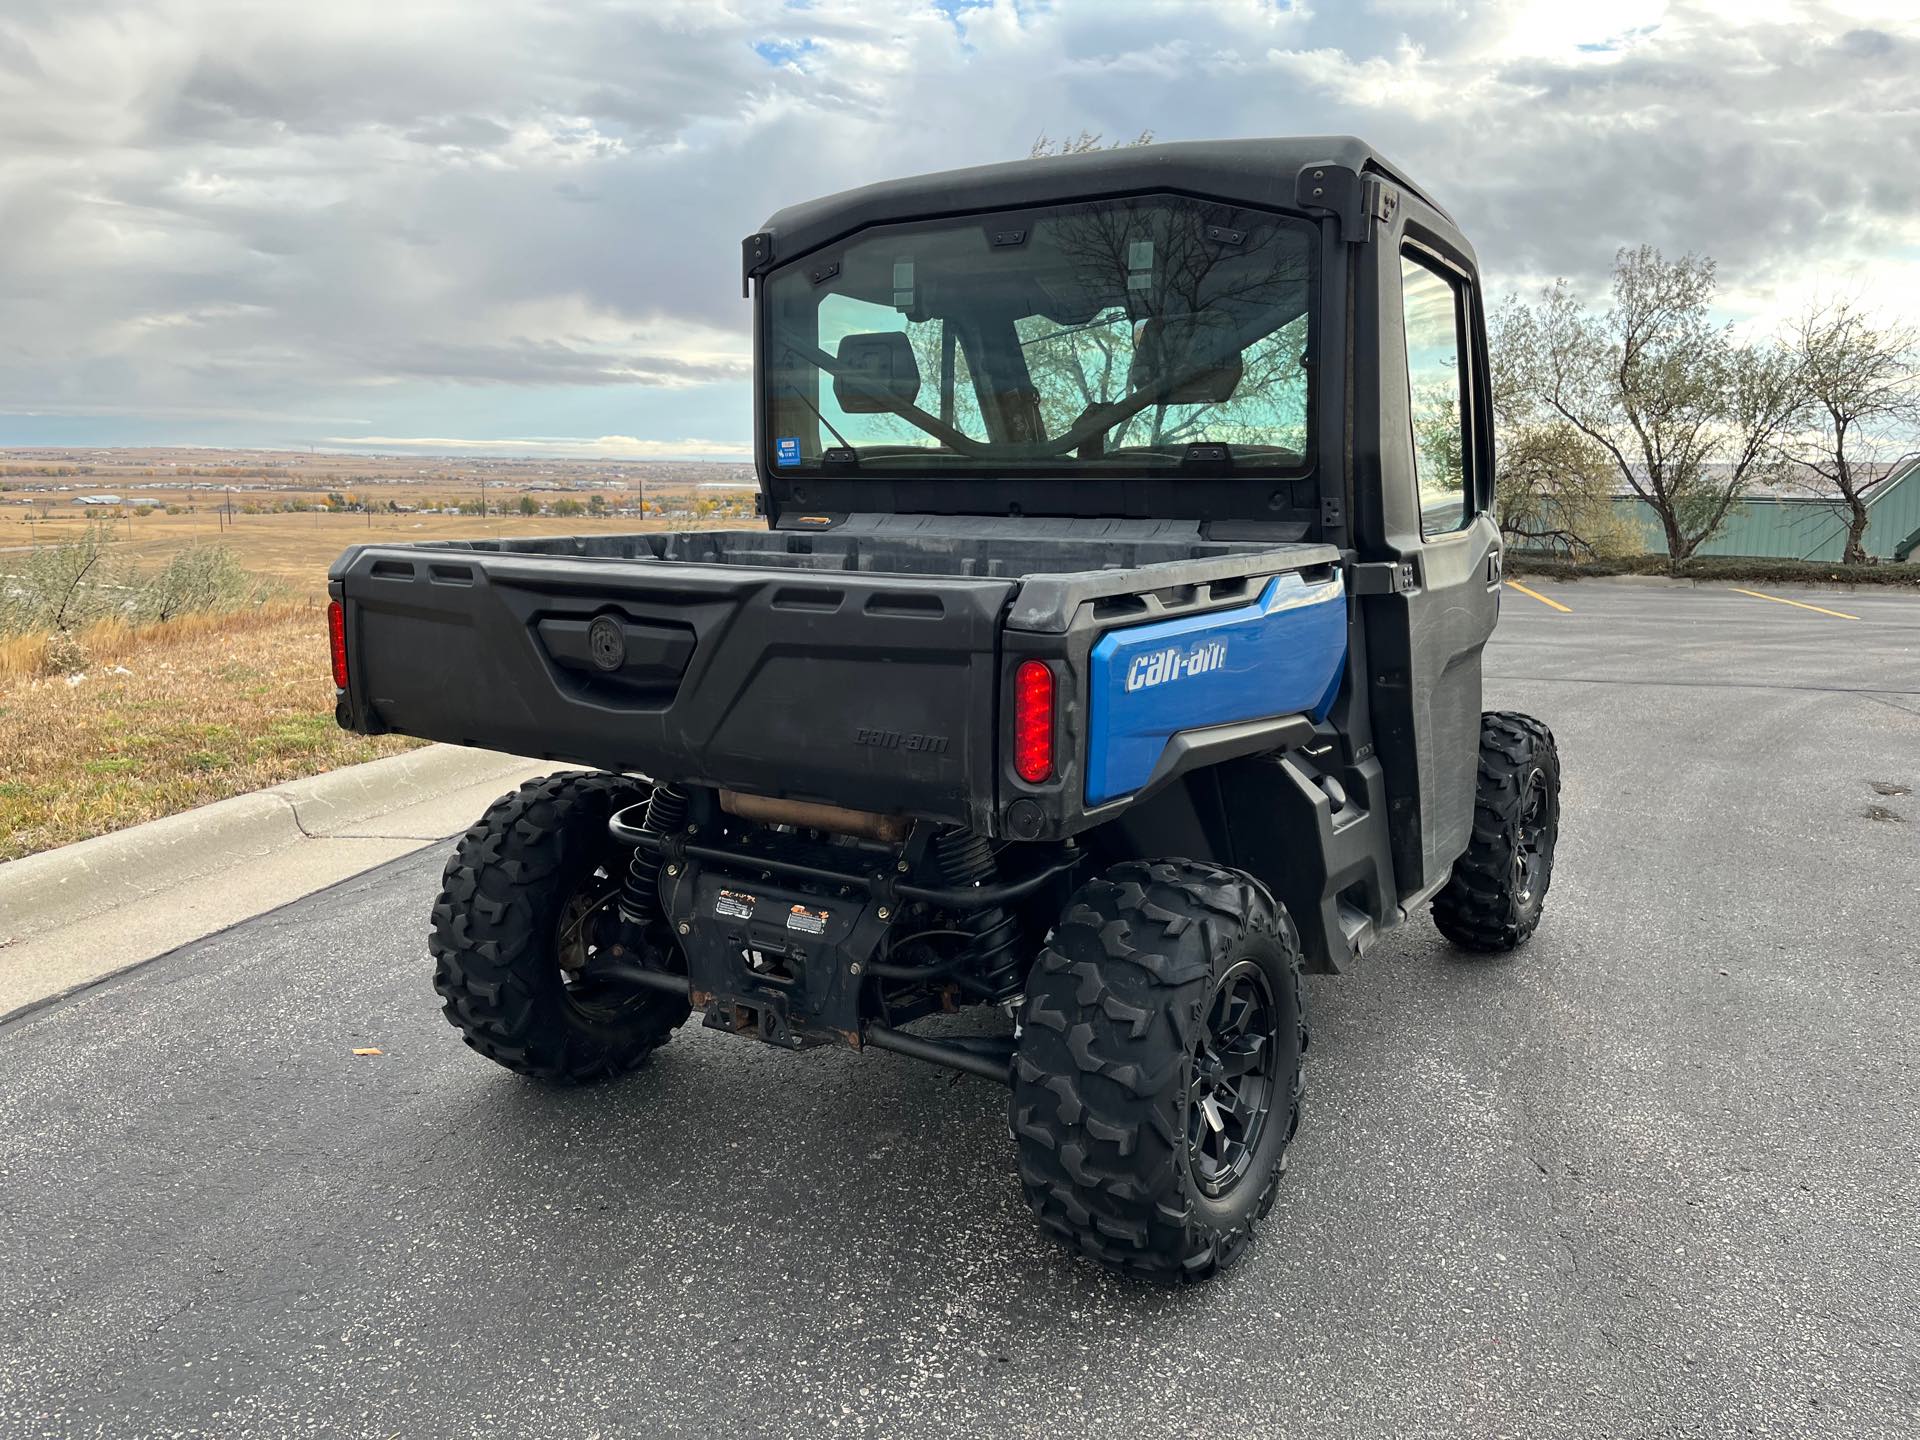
296, 547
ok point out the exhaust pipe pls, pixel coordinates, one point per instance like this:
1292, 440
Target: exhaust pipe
809, 815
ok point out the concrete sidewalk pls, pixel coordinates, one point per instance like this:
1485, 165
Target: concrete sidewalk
72, 916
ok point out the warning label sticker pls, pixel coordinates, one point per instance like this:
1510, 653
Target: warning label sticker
735, 905
807, 922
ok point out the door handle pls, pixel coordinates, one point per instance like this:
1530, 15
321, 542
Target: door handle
1493, 568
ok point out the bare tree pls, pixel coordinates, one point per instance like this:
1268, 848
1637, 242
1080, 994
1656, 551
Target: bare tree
1084, 143
1687, 418
1860, 378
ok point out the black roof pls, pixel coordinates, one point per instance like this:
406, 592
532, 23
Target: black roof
1252, 172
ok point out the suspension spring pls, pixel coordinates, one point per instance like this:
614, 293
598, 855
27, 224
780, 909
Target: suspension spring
640, 897
966, 859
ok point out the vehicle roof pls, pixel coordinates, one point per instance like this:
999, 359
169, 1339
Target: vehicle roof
1260, 172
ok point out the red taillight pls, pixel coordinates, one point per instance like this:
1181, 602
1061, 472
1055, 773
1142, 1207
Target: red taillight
337, 634
1033, 721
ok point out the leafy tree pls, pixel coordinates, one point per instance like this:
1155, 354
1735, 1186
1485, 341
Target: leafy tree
1687, 418
528, 505
1553, 486
567, 505
1860, 378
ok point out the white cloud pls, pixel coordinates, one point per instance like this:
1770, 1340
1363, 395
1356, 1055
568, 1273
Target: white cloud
432, 212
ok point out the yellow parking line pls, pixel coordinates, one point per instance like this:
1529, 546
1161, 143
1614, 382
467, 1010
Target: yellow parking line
1563, 609
1778, 600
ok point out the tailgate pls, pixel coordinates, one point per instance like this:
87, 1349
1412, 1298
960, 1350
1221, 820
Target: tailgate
874, 691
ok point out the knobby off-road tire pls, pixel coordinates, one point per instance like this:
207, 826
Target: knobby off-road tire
1118, 1057
530, 885
1493, 900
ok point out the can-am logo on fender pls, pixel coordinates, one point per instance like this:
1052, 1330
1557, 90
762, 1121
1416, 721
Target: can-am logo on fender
1160, 666
900, 740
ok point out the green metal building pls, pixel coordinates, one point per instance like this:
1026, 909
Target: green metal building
1787, 526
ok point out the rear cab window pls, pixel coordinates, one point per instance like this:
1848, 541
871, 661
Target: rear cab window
1140, 335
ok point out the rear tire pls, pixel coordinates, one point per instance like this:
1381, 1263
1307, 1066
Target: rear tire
527, 902
1152, 1133
1494, 898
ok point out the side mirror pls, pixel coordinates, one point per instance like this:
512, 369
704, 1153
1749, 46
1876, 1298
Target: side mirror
1190, 345
884, 362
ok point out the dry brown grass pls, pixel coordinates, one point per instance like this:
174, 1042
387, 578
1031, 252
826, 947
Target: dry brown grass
296, 549
167, 718
205, 706
111, 642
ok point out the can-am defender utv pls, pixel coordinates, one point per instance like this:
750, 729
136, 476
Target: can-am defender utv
1111, 655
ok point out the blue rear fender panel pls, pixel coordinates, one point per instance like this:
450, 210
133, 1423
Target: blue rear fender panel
1280, 655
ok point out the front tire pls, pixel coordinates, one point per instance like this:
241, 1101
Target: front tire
1158, 1077
527, 905
1493, 900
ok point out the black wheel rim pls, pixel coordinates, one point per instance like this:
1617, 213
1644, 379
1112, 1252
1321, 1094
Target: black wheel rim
1533, 844
1230, 1095
578, 946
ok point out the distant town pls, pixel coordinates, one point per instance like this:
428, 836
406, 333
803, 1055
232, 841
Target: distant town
54, 482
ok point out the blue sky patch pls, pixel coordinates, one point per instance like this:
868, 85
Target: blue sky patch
783, 52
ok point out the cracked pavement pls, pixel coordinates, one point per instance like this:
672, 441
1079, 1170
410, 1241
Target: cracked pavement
1652, 1176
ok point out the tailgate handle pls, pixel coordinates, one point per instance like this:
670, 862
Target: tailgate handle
647, 654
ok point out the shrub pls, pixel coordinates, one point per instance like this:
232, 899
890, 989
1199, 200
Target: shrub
64, 586
63, 601
200, 579
1716, 567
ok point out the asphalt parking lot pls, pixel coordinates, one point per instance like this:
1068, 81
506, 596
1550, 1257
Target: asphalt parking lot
1655, 1175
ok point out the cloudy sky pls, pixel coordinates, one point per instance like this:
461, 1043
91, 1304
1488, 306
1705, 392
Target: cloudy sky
515, 226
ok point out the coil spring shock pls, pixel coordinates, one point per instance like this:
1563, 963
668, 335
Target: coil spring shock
640, 896
964, 859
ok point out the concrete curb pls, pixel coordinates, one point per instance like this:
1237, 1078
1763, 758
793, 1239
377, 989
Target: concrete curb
74, 882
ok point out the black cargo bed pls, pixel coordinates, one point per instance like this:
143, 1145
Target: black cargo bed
857, 665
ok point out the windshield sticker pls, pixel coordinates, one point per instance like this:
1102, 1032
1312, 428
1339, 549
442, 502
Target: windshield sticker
786, 451
1140, 265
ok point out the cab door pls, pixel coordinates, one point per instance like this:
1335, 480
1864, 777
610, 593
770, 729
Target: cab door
1431, 533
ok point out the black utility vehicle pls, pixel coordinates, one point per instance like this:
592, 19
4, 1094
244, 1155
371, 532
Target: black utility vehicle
1111, 655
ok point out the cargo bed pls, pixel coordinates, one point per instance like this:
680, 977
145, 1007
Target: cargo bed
861, 664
